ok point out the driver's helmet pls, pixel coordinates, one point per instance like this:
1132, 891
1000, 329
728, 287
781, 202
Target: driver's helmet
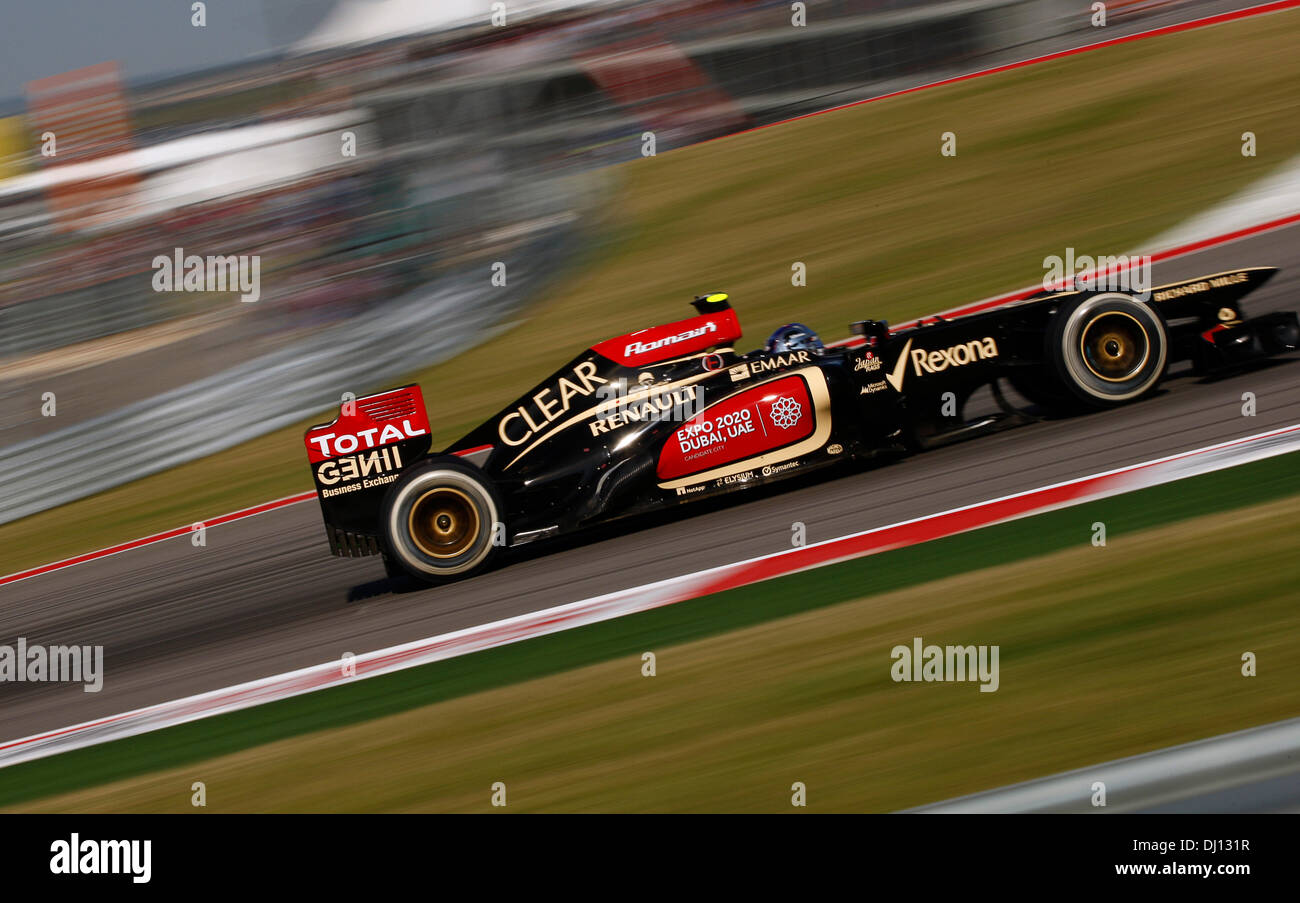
794, 337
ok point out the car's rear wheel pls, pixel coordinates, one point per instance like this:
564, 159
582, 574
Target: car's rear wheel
1107, 349
440, 521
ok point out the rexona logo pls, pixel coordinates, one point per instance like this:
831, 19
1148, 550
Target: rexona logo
519, 425
636, 349
933, 361
331, 444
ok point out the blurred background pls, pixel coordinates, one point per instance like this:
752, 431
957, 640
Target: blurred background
463, 194
378, 156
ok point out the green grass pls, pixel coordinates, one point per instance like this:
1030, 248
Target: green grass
899, 570
1104, 653
1100, 152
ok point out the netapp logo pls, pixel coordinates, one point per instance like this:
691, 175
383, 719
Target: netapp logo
103, 857
639, 348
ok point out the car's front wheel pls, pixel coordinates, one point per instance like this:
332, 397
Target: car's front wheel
1107, 349
442, 520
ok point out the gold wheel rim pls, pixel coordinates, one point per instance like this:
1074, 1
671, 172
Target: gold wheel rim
1114, 346
443, 522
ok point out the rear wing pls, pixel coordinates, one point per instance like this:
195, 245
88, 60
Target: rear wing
356, 456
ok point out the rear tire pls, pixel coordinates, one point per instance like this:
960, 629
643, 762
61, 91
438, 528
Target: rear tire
439, 521
1108, 349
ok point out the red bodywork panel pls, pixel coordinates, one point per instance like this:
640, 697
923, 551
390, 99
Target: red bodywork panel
369, 423
661, 343
759, 420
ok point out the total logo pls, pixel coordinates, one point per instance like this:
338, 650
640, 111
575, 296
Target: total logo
924, 361
332, 444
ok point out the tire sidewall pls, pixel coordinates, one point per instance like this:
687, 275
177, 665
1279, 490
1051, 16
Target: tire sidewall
409, 489
1064, 348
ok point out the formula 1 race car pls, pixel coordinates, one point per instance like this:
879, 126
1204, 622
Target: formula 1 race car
673, 413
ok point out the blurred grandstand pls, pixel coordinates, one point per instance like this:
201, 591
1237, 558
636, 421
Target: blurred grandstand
470, 138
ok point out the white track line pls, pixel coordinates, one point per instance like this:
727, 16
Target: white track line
653, 595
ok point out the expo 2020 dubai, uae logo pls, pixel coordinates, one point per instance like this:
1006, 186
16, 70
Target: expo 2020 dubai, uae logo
785, 412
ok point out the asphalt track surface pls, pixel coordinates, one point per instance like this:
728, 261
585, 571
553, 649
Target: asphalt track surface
264, 595
1277, 794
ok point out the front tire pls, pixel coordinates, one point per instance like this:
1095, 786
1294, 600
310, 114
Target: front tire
1108, 349
440, 521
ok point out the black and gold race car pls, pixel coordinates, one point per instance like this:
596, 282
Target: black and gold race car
674, 413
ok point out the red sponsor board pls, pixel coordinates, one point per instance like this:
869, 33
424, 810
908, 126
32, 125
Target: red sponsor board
86, 116
661, 343
662, 86
370, 422
758, 420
